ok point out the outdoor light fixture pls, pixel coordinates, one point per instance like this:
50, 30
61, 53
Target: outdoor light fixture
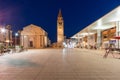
3, 30
7, 41
16, 34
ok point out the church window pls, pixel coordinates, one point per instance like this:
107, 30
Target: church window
60, 23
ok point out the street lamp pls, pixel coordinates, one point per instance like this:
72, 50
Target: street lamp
3, 30
16, 34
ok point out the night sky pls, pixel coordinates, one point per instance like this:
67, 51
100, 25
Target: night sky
77, 14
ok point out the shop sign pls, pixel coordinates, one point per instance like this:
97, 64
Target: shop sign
112, 41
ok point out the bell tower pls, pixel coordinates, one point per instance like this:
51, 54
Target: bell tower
60, 28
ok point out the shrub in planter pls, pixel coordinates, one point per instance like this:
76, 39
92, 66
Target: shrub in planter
11, 49
1, 48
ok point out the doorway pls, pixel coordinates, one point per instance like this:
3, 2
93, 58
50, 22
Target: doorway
31, 43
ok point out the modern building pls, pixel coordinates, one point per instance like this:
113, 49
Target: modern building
60, 29
102, 32
33, 36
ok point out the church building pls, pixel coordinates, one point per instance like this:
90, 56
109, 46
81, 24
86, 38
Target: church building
33, 36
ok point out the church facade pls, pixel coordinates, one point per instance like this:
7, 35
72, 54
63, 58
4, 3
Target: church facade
33, 36
60, 28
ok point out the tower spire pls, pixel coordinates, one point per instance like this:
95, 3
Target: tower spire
60, 13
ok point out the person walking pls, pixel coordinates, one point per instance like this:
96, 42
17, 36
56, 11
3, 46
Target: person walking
108, 50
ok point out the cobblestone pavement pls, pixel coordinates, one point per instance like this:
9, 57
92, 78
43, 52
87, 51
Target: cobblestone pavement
59, 64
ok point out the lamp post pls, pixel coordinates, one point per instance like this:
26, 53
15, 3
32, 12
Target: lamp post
16, 34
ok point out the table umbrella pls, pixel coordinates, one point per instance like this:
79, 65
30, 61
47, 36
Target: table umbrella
117, 37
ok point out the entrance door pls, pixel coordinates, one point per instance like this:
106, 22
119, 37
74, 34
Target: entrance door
31, 43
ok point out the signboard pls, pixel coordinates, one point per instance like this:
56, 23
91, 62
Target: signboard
112, 41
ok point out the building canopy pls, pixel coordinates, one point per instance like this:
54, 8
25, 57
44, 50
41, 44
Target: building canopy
107, 21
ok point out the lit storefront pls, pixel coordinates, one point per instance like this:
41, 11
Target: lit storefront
107, 36
103, 30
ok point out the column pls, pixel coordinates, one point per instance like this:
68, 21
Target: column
82, 41
99, 38
23, 40
40, 41
43, 41
78, 38
28, 42
118, 33
35, 41
88, 39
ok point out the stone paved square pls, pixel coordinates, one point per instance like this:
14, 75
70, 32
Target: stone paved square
59, 64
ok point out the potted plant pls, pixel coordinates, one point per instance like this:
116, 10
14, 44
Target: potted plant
1, 49
11, 49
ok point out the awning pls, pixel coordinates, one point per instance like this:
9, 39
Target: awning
117, 37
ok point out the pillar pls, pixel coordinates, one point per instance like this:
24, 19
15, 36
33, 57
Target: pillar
22, 40
78, 39
43, 41
99, 38
40, 41
118, 33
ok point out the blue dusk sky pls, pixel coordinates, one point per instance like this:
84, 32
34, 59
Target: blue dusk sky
77, 14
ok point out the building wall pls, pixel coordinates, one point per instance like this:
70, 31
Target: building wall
4, 36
